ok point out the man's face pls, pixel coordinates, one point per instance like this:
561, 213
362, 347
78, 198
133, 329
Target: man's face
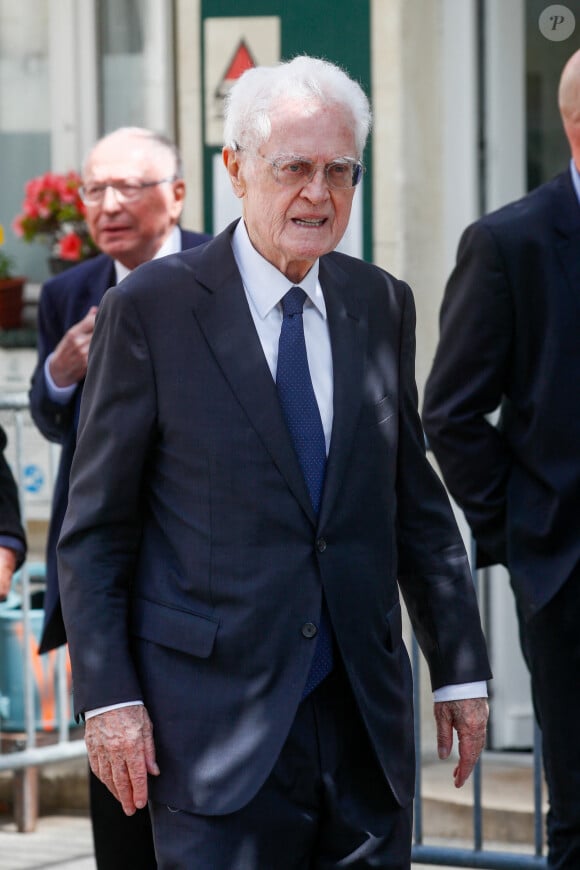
132, 232
292, 226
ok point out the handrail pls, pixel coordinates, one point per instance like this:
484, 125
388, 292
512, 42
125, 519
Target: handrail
478, 856
25, 754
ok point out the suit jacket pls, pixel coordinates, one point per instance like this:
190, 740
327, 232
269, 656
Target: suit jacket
191, 558
64, 301
510, 327
10, 524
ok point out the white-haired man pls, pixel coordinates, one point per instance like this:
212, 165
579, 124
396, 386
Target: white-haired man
242, 532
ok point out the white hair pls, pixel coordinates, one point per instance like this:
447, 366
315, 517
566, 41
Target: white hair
258, 91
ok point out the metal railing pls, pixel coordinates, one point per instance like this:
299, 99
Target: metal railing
24, 752
477, 856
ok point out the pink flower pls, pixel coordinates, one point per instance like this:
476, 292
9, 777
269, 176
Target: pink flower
70, 247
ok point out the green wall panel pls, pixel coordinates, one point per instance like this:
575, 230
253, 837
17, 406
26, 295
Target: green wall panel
338, 30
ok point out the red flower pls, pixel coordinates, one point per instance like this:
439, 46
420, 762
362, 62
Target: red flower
53, 212
70, 247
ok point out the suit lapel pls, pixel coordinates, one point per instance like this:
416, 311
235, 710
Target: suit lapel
224, 317
348, 337
225, 320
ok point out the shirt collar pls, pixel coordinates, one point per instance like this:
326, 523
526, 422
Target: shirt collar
575, 179
171, 245
264, 284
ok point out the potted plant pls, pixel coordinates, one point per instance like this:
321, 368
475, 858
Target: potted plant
11, 291
53, 213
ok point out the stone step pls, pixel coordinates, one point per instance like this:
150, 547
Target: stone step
507, 800
507, 797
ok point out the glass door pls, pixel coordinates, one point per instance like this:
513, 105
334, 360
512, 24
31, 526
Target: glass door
71, 70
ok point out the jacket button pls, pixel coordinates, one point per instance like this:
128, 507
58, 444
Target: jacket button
321, 545
309, 629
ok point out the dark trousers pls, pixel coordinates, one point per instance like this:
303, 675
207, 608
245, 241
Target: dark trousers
551, 647
325, 805
121, 842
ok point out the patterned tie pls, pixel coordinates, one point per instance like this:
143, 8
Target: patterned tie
300, 410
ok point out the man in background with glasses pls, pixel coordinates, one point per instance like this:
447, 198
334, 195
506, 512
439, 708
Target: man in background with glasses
133, 189
249, 484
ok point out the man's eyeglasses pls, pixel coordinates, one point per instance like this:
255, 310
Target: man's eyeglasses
125, 191
341, 174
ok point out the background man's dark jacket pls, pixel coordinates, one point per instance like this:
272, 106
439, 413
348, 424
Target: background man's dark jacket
64, 301
510, 338
10, 522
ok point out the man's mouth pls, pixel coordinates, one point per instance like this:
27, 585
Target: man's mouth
113, 228
309, 222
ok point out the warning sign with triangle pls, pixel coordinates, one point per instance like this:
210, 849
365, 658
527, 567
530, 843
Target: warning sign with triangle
241, 61
232, 46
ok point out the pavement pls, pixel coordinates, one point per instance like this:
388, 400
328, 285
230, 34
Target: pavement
62, 839
60, 842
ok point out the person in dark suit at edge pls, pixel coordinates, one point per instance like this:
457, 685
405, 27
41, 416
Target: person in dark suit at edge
230, 554
133, 189
510, 329
12, 535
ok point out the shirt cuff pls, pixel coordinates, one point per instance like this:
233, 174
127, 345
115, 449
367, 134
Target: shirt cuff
460, 692
90, 713
60, 395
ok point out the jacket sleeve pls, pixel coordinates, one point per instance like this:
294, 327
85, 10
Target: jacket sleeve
433, 569
52, 418
102, 526
10, 522
466, 386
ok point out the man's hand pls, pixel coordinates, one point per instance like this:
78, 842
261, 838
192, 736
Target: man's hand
8, 560
68, 364
469, 718
121, 753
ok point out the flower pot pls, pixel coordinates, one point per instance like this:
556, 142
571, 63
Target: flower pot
11, 302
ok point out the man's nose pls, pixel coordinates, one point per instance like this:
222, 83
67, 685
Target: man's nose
110, 199
317, 188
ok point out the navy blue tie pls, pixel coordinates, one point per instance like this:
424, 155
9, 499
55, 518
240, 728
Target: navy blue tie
300, 410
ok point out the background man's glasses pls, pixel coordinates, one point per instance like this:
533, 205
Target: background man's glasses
125, 191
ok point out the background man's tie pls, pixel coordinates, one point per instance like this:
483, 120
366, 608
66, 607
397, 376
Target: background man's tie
302, 416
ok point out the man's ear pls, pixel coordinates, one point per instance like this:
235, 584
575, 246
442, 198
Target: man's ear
231, 160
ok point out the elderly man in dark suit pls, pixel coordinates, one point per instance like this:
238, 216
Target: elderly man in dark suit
249, 485
510, 330
12, 537
134, 192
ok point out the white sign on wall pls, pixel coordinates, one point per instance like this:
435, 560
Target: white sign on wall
233, 45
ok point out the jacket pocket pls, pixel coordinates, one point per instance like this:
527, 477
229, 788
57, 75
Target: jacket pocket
182, 630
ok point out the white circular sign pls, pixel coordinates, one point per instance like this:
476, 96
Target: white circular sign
557, 23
